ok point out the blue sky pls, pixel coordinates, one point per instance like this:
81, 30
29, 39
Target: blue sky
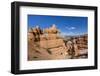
68, 25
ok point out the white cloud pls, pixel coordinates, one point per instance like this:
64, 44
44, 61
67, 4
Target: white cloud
70, 28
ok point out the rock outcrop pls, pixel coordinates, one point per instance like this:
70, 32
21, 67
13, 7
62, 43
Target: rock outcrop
44, 45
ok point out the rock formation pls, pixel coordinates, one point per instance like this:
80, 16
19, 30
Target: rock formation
45, 44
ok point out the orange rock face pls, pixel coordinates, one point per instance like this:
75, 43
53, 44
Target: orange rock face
47, 47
